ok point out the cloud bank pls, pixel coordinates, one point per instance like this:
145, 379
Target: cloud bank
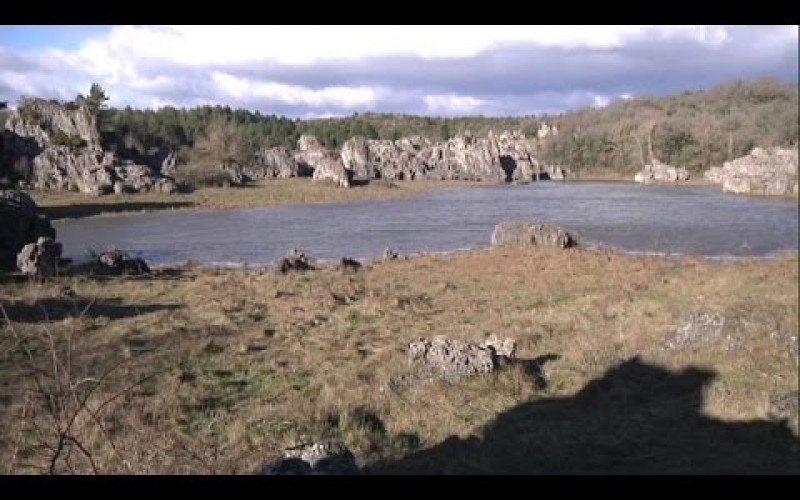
303, 71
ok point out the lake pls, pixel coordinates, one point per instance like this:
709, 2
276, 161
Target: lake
627, 216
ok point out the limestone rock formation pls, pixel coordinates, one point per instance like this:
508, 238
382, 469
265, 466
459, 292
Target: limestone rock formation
507, 157
321, 458
42, 120
661, 172
326, 166
21, 223
771, 171
36, 132
40, 260
532, 234
273, 163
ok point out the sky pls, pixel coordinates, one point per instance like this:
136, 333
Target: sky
318, 71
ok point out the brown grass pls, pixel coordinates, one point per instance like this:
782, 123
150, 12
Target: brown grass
246, 362
61, 205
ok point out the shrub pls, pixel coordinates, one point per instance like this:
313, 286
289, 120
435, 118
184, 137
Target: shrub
72, 141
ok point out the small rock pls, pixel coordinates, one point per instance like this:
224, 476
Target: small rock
321, 458
296, 260
506, 348
348, 264
40, 260
785, 407
389, 254
699, 329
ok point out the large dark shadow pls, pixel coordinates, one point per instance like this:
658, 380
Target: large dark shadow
57, 309
636, 419
88, 210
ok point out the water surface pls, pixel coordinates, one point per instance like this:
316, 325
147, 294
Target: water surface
631, 217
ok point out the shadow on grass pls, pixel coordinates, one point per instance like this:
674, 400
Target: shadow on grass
57, 309
78, 211
636, 419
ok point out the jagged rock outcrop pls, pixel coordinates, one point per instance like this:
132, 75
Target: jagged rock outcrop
661, 172
326, 166
507, 157
40, 260
322, 458
453, 359
42, 120
532, 234
770, 171
32, 131
274, 163
21, 223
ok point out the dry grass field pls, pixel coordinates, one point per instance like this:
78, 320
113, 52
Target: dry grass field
202, 370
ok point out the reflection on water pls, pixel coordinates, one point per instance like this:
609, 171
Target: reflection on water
631, 217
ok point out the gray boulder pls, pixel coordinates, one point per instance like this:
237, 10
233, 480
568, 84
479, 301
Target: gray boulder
532, 234
322, 458
453, 359
40, 260
21, 223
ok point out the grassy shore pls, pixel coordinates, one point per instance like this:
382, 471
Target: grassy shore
65, 205
215, 370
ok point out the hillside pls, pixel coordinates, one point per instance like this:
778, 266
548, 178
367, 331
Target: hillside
694, 129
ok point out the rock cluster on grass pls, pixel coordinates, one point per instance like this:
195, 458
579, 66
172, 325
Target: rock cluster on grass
117, 262
296, 260
532, 234
700, 329
322, 458
40, 260
453, 359
21, 223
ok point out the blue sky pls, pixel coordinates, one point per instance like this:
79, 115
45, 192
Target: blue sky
303, 71
39, 37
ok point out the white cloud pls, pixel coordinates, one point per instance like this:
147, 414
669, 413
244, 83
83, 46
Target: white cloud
340, 96
320, 70
451, 103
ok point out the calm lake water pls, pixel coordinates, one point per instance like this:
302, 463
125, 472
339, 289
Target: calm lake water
664, 219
